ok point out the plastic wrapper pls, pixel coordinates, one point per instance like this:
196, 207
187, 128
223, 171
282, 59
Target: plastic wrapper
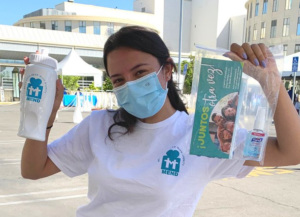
254, 98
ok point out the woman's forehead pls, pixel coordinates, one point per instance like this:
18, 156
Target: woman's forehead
128, 58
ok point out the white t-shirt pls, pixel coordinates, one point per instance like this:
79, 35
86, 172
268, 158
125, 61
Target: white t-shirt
148, 172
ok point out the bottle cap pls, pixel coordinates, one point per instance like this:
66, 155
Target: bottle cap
43, 58
260, 118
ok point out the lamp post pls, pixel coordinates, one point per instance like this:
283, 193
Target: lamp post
180, 42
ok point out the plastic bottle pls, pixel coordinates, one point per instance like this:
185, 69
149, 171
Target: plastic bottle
256, 139
37, 95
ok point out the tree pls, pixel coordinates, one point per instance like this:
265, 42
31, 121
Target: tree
71, 82
188, 81
107, 85
92, 87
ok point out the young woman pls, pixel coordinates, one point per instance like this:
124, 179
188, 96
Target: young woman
137, 157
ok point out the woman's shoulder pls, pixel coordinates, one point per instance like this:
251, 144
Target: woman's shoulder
103, 114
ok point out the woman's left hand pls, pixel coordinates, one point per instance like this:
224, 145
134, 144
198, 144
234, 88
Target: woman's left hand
260, 64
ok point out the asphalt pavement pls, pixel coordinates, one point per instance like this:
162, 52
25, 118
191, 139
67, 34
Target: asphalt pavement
266, 192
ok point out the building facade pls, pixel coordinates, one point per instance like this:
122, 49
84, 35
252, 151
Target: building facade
274, 22
212, 23
85, 28
87, 19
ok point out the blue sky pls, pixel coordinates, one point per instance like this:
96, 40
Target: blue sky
13, 10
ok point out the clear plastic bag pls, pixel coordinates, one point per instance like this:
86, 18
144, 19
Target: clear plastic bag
255, 104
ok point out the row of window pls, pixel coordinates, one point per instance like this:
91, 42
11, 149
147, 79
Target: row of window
296, 50
275, 6
82, 26
285, 29
285, 49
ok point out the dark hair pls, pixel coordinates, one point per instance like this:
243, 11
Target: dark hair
232, 118
213, 116
148, 41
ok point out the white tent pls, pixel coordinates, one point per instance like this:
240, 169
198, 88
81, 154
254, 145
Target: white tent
74, 65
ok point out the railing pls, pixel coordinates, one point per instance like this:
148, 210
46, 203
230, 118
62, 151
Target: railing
107, 100
7, 83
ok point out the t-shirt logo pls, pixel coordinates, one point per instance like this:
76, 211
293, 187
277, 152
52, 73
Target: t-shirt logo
34, 90
171, 163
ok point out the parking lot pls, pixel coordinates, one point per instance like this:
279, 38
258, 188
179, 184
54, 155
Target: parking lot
265, 192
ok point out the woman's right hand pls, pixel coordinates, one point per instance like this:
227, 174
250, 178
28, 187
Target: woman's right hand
57, 101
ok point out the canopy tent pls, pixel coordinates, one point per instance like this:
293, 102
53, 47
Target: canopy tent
74, 65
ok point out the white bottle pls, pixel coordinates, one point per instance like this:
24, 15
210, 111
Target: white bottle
37, 95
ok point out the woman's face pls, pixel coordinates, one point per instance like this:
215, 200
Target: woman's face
227, 134
126, 64
218, 119
226, 147
229, 126
230, 112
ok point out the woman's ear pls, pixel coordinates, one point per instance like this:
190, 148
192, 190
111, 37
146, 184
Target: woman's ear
169, 68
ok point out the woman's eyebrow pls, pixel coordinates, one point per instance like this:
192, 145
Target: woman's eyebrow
135, 67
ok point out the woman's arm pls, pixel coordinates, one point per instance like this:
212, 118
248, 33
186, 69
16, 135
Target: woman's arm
285, 148
35, 162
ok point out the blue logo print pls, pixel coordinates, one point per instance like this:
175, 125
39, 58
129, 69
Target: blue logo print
34, 90
256, 139
171, 163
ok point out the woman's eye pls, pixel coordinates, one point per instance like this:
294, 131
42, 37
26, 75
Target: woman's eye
117, 82
140, 72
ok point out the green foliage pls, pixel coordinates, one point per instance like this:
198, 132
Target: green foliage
286, 84
107, 85
92, 87
71, 82
187, 87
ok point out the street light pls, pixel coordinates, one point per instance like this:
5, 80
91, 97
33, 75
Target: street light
180, 42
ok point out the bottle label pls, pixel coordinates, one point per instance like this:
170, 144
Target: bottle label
253, 145
258, 134
34, 90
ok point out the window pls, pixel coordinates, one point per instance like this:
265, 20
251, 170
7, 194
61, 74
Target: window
31, 25
288, 4
256, 7
285, 47
68, 26
265, 7
273, 28
97, 28
54, 25
82, 26
110, 28
275, 5
298, 26
42, 25
286, 26
254, 32
297, 48
263, 30
249, 33
250, 10
143, 9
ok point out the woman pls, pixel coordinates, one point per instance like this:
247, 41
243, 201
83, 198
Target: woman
137, 157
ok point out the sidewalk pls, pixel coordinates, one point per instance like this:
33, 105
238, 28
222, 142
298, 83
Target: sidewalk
9, 103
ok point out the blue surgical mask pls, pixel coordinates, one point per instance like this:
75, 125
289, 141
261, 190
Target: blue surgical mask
143, 97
